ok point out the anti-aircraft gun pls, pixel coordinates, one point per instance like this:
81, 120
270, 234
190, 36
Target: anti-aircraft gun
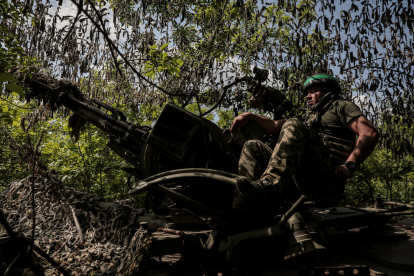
187, 165
179, 148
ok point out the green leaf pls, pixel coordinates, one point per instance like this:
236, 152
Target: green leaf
15, 88
6, 77
153, 47
179, 62
150, 73
164, 46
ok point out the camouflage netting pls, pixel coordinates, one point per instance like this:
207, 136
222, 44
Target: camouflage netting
46, 91
110, 240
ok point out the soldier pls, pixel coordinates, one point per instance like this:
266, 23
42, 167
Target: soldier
314, 155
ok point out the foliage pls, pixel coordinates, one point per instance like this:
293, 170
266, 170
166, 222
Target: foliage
88, 165
11, 52
382, 176
160, 61
6, 115
10, 168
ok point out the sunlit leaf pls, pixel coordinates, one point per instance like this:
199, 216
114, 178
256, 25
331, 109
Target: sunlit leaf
164, 46
179, 62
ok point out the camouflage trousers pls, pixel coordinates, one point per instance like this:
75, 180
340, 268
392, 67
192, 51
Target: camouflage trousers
299, 164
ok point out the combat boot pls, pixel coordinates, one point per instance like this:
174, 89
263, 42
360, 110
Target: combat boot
252, 207
255, 196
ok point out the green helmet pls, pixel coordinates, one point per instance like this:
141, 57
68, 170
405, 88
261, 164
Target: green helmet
322, 80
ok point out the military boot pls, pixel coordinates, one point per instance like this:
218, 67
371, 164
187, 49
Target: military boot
257, 197
252, 207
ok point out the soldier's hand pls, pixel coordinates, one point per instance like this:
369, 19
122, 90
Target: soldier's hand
239, 122
342, 173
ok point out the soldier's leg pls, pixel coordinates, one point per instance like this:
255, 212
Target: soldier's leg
299, 152
249, 195
254, 159
287, 156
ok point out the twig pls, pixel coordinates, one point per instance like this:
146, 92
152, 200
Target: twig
64, 244
358, 188
6, 226
225, 88
74, 22
33, 191
366, 180
15, 239
106, 36
11, 264
198, 105
77, 224
50, 260
86, 164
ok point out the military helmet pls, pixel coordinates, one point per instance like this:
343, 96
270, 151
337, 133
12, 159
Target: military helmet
322, 80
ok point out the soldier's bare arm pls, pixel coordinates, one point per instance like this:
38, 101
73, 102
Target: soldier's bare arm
267, 125
367, 139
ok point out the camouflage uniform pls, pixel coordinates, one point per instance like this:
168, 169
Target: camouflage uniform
299, 156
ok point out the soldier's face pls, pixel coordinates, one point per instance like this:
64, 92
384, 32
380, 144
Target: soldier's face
314, 95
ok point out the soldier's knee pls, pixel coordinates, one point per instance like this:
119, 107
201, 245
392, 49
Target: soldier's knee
252, 145
294, 123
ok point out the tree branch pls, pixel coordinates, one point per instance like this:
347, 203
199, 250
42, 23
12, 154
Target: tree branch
33, 191
12, 263
74, 22
77, 225
106, 36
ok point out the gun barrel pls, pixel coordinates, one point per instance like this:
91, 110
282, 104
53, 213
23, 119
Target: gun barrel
100, 119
